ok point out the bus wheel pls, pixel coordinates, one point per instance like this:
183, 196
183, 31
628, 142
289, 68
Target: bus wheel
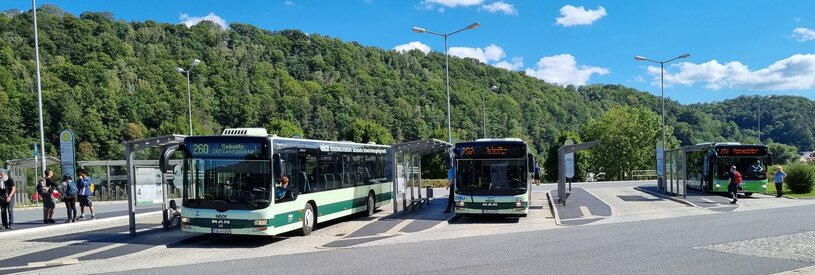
748, 194
371, 205
309, 220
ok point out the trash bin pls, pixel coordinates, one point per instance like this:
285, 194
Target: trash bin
429, 191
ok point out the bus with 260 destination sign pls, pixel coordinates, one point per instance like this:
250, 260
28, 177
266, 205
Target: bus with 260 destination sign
247, 182
492, 176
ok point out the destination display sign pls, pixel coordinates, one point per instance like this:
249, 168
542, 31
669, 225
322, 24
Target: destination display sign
735, 151
491, 151
220, 149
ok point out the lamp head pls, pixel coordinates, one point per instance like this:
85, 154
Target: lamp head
419, 30
684, 55
474, 26
196, 62
639, 58
180, 70
494, 88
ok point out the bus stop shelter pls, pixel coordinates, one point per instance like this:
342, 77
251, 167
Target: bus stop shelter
407, 171
676, 166
166, 144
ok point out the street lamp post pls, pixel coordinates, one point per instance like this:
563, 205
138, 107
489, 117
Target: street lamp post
39, 85
759, 117
484, 102
662, 95
446, 66
189, 98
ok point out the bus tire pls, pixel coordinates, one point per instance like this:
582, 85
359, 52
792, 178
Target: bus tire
371, 205
309, 220
748, 194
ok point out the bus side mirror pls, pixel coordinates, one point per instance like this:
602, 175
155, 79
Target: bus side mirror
164, 160
277, 166
531, 160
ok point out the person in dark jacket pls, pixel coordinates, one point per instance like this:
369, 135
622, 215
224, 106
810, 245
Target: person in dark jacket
69, 192
7, 190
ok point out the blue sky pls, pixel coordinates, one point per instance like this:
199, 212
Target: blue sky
746, 47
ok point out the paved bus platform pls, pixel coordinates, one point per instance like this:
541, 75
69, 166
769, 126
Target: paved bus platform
713, 202
582, 207
411, 221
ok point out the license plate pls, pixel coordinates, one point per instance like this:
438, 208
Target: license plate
489, 211
222, 230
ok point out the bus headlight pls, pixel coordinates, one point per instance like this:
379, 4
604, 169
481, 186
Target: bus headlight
261, 222
460, 203
718, 186
519, 204
764, 187
185, 220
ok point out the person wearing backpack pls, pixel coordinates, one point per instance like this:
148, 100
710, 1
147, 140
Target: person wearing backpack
735, 182
69, 193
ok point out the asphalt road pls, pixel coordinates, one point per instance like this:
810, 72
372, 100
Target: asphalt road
667, 246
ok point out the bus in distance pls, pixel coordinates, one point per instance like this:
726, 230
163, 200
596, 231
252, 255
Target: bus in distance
249, 183
492, 176
708, 166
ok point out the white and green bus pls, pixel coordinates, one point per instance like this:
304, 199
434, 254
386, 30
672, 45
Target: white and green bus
493, 177
232, 182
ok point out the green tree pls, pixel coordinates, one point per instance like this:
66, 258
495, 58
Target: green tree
627, 137
581, 159
283, 128
782, 153
365, 131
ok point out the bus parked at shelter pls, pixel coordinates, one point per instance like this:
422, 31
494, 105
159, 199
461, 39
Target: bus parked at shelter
492, 176
235, 183
709, 166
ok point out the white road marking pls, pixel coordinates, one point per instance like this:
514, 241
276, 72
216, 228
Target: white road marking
585, 211
53, 263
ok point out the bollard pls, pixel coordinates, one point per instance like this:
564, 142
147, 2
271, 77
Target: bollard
429, 192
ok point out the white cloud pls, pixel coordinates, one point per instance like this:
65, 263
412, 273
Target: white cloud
412, 45
289, 3
500, 6
517, 63
490, 53
796, 72
803, 34
573, 16
190, 21
563, 69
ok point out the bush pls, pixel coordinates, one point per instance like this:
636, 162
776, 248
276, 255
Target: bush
800, 178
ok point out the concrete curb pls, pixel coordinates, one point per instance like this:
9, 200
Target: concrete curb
60, 226
554, 210
682, 201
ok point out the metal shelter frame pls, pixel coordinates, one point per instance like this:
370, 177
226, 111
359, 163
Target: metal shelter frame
676, 168
407, 167
17, 168
163, 142
562, 194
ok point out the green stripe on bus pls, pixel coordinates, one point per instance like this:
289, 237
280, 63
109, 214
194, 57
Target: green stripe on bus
327, 209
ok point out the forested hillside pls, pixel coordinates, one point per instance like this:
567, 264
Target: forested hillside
109, 80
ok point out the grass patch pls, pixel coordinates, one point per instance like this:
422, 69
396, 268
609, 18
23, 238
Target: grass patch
787, 192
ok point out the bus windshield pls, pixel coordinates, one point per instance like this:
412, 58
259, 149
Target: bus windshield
227, 183
751, 168
491, 176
